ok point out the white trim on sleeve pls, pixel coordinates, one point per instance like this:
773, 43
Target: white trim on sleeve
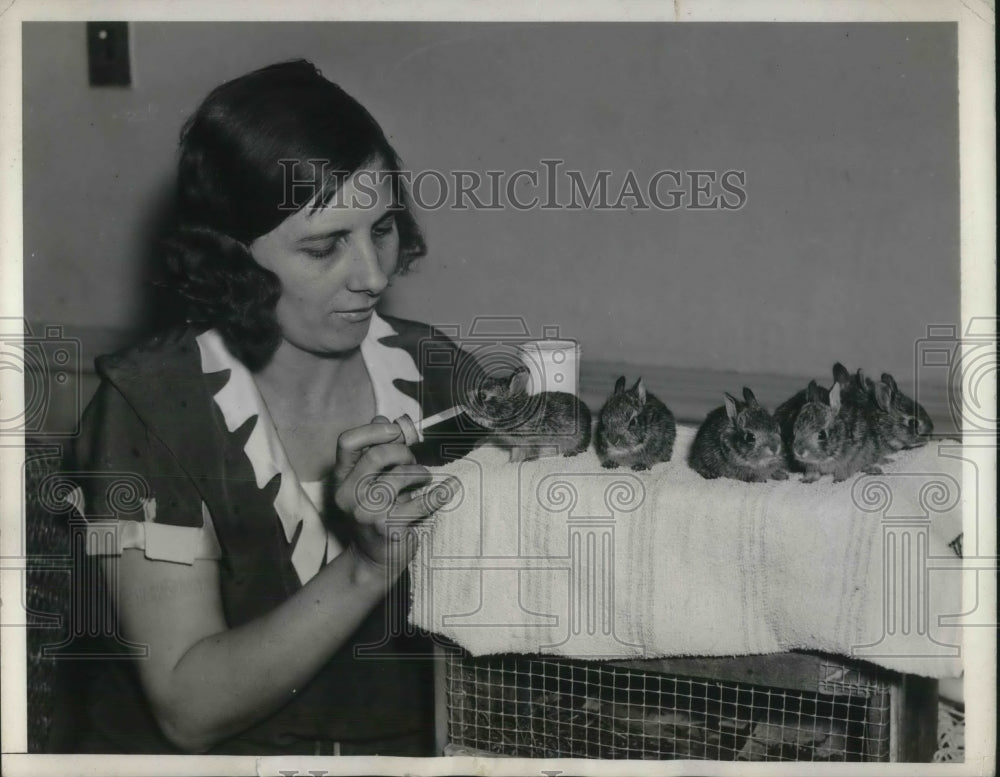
159, 541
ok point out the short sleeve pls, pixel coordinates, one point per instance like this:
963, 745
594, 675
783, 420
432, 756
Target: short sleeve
132, 490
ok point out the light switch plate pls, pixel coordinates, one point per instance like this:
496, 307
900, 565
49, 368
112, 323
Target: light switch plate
108, 59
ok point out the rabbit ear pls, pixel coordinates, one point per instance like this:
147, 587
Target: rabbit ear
840, 374
812, 392
835, 397
731, 407
620, 385
749, 397
640, 389
519, 381
883, 394
890, 382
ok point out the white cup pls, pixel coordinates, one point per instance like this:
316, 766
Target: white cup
553, 365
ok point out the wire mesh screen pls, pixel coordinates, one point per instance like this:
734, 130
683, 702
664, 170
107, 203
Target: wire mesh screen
548, 708
47, 590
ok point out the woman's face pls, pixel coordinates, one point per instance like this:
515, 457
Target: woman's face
333, 262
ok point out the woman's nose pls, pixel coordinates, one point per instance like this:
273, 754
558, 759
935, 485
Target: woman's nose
368, 273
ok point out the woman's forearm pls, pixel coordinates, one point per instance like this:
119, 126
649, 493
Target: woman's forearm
226, 682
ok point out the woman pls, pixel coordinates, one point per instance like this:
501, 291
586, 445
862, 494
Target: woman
257, 562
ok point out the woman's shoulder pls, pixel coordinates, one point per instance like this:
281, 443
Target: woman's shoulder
160, 379
170, 352
153, 388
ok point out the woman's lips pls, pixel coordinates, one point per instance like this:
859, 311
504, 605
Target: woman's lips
357, 315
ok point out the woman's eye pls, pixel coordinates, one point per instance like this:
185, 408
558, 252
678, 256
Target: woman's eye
325, 250
384, 228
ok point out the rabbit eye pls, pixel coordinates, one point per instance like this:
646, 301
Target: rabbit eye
748, 437
822, 435
912, 424
632, 422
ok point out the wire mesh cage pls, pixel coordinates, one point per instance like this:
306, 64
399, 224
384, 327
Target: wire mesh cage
539, 707
47, 590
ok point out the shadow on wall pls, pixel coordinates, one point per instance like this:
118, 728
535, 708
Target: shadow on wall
159, 308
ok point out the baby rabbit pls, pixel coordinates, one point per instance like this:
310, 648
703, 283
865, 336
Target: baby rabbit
787, 412
529, 424
852, 388
634, 428
740, 441
835, 437
903, 423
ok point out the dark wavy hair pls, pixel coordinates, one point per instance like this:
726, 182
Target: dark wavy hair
257, 149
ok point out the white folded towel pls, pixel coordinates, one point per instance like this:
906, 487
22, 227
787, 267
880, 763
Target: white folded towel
562, 557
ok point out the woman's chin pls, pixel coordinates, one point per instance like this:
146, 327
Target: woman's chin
342, 344
336, 344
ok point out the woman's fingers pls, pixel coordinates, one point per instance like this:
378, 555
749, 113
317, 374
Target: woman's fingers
377, 492
380, 457
373, 461
354, 443
379, 484
406, 477
388, 538
422, 502
399, 495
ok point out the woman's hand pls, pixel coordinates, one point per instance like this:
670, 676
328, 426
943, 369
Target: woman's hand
379, 484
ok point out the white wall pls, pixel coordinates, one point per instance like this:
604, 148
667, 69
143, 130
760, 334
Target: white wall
846, 249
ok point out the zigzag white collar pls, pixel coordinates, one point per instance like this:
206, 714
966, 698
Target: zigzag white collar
239, 399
